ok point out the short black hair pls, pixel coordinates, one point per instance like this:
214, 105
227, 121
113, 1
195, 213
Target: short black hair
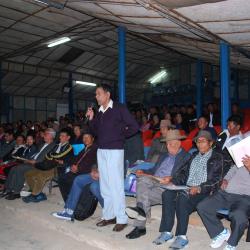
105, 87
66, 131
236, 119
204, 117
10, 132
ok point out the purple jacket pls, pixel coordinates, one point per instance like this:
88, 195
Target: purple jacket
113, 126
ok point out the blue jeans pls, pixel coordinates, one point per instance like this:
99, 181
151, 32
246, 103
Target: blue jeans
95, 190
79, 183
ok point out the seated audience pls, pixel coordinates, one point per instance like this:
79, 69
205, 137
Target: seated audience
180, 123
56, 162
25, 151
149, 190
213, 115
157, 146
78, 185
77, 138
202, 175
228, 137
202, 124
7, 145
81, 165
235, 196
155, 124
15, 180
145, 124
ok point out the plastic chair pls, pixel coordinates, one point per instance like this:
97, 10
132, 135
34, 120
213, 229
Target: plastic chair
148, 134
218, 129
187, 144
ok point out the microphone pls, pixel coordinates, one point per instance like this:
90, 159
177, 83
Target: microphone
91, 106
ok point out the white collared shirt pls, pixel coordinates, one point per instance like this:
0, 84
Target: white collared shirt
231, 140
110, 105
37, 154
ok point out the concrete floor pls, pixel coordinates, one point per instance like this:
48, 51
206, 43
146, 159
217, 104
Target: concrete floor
31, 227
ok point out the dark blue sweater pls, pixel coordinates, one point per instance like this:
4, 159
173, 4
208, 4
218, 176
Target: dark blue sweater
113, 126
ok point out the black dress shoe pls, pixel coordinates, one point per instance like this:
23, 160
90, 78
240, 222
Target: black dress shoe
104, 223
3, 194
119, 227
136, 233
135, 213
12, 196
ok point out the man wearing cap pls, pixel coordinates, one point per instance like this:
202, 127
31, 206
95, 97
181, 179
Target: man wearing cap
201, 175
157, 146
149, 183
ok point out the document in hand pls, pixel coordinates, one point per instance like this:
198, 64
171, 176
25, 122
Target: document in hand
174, 187
19, 158
239, 150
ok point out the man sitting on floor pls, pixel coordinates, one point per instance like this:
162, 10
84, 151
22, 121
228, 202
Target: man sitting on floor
202, 175
149, 190
78, 185
58, 159
235, 196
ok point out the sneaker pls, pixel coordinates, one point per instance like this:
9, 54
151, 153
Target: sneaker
218, 240
135, 213
25, 193
179, 243
164, 236
62, 215
229, 247
35, 198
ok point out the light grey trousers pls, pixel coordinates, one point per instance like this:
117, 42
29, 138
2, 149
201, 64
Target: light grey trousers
148, 193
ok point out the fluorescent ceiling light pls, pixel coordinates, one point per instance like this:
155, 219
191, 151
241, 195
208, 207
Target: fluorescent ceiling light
58, 41
158, 76
86, 83
41, 1
51, 3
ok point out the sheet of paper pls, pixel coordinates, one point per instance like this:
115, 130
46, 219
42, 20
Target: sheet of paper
239, 150
175, 187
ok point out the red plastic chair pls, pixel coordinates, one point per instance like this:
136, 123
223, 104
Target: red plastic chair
218, 129
193, 133
187, 144
148, 134
157, 134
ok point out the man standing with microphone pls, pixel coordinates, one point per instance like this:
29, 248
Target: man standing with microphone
112, 124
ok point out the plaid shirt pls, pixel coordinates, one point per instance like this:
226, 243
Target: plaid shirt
198, 169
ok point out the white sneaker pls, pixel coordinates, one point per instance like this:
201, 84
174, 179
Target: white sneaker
229, 247
25, 193
218, 240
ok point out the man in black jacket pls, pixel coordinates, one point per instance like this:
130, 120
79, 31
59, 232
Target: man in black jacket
227, 138
82, 165
201, 175
15, 180
56, 161
149, 187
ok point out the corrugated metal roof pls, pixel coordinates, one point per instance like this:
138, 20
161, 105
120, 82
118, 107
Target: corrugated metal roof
159, 33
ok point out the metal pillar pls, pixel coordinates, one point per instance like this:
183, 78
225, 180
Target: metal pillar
225, 83
236, 85
122, 64
70, 96
1, 95
199, 87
